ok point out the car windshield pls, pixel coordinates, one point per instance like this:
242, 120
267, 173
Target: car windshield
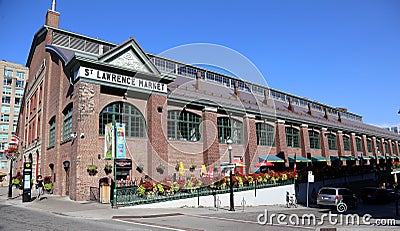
327, 191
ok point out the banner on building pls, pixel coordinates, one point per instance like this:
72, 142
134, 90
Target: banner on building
109, 142
120, 137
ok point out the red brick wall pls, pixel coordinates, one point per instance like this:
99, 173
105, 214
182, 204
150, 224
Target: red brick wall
211, 152
250, 142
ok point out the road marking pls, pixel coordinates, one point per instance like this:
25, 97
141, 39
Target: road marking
153, 225
249, 222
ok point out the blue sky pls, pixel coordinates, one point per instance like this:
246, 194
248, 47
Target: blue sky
343, 53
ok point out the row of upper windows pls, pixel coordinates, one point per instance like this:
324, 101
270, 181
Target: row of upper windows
7, 100
9, 82
8, 91
9, 73
7, 109
185, 126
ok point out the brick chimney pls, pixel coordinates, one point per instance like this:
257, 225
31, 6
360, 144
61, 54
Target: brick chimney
198, 81
339, 117
326, 116
52, 16
236, 89
266, 96
310, 112
291, 107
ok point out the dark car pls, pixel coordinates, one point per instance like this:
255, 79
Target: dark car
374, 195
331, 196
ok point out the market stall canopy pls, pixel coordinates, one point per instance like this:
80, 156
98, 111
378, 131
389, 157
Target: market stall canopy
298, 159
343, 158
264, 164
273, 159
364, 157
238, 163
319, 159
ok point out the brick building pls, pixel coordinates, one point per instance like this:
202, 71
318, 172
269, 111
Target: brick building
173, 112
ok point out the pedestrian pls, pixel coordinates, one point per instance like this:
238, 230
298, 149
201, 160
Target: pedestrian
39, 186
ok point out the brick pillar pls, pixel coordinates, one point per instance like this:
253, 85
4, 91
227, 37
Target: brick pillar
250, 140
396, 147
210, 136
365, 147
390, 147
353, 144
383, 151
340, 143
156, 129
305, 140
324, 145
281, 145
374, 151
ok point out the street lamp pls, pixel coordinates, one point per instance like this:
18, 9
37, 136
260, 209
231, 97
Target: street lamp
11, 158
232, 205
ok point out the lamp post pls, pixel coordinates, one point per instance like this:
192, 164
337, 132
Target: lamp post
11, 158
232, 205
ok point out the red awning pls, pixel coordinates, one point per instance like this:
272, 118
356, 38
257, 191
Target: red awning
264, 163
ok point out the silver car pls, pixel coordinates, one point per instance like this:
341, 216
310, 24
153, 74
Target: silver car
331, 196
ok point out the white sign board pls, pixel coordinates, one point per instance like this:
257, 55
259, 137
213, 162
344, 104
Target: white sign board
128, 81
311, 178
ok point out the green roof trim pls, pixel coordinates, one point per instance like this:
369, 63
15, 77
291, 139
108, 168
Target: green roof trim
298, 159
319, 159
272, 159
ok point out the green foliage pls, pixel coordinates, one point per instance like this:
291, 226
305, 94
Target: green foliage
15, 181
48, 186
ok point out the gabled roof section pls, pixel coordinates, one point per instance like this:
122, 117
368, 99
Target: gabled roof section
129, 55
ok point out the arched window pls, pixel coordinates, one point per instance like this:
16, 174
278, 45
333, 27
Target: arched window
332, 142
125, 113
183, 126
378, 146
346, 143
386, 148
265, 134
394, 148
314, 140
229, 128
67, 122
292, 137
359, 144
52, 131
369, 145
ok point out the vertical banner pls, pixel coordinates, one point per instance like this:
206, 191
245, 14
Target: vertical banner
120, 136
109, 142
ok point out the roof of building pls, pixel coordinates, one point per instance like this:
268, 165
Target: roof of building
217, 90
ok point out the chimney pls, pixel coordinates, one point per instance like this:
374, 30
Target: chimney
290, 107
198, 81
236, 89
326, 116
339, 117
52, 16
266, 96
309, 109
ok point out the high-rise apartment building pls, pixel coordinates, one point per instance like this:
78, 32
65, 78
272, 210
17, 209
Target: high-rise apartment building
13, 79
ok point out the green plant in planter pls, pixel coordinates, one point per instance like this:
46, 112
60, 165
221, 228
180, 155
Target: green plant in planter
92, 169
108, 168
160, 168
192, 167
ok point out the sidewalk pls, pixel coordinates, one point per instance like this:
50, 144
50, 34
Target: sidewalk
94, 210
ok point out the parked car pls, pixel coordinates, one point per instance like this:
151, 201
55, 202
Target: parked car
374, 195
331, 196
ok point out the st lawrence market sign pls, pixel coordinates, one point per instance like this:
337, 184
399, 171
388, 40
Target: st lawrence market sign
125, 80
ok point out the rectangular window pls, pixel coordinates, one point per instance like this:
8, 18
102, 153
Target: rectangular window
3, 146
5, 109
8, 73
18, 92
21, 75
394, 148
4, 127
20, 83
386, 148
6, 91
18, 101
7, 81
16, 110
5, 118
3, 164
67, 124
3, 136
52, 133
6, 99
15, 119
